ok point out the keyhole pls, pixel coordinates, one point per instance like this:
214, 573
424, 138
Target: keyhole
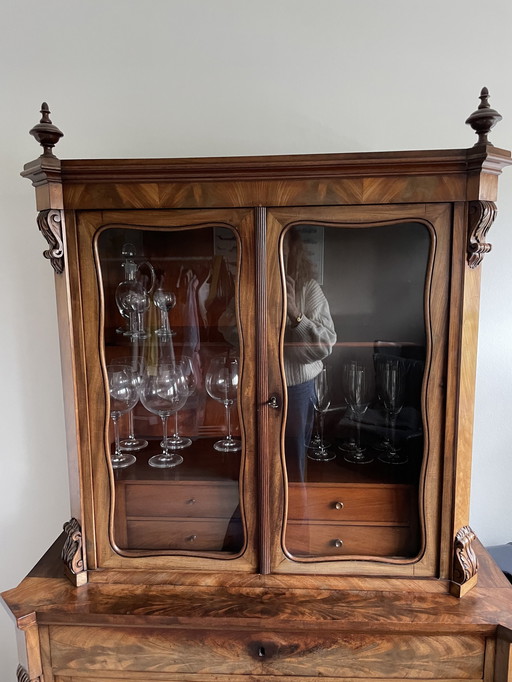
261, 651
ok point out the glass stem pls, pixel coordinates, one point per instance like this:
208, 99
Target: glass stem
321, 417
164, 430
131, 431
228, 418
176, 428
117, 454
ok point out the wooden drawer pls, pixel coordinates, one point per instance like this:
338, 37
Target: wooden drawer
194, 534
181, 499
317, 539
128, 651
377, 503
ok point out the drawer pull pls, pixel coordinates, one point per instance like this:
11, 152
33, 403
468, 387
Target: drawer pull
191, 501
338, 505
191, 538
261, 651
338, 543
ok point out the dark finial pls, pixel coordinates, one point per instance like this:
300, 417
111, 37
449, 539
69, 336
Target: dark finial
45, 132
483, 119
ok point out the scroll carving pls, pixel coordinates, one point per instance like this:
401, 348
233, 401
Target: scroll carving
481, 217
465, 564
72, 552
22, 674
49, 223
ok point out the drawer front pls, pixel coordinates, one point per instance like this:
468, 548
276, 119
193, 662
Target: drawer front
194, 500
316, 539
326, 654
195, 534
377, 503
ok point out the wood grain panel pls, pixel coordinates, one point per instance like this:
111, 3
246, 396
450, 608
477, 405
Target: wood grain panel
323, 539
338, 503
361, 656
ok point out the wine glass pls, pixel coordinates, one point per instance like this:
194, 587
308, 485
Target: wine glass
321, 402
123, 391
164, 393
133, 302
136, 365
355, 386
165, 302
390, 376
222, 385
177, 442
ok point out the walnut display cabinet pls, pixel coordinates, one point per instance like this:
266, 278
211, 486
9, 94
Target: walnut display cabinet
268, 366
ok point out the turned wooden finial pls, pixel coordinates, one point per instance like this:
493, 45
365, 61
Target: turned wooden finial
483, 119
45, 132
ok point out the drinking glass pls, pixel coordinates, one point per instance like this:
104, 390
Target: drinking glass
355, 386
390, 376
123, 391
165, 302
222, 385
321, 403
136, 365
177, 442
163, 393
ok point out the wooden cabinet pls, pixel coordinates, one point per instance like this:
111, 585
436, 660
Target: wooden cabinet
268, 365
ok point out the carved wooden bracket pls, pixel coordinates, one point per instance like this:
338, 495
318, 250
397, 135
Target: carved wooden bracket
49, 223
465, 564
72, 553
481, 217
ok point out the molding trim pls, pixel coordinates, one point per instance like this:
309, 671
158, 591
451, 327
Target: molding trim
480, 218
50, 224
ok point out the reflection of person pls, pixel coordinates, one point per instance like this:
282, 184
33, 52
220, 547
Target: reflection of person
309, 338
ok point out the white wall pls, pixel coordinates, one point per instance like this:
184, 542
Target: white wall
126, 78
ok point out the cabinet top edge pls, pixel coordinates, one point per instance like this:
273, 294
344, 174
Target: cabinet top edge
483, 157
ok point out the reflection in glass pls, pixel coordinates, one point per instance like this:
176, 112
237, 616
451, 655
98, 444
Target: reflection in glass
188, 276
309, 338
355, 308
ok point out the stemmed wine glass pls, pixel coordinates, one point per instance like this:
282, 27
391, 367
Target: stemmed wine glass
177, 442
222, 385
164, 393
136, 365
321, 402
355, 386
390, 376
165, 302
124, 394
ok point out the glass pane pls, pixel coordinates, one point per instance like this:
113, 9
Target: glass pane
354, 352
172, 361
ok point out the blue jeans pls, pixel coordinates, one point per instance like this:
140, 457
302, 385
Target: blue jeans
299, 425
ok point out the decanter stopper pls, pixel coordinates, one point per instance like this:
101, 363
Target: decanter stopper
45, 132
483, 119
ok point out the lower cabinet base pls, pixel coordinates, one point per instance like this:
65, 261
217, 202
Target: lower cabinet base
102, 632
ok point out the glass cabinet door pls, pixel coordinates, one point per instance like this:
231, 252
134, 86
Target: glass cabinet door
171, 350
353, 353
